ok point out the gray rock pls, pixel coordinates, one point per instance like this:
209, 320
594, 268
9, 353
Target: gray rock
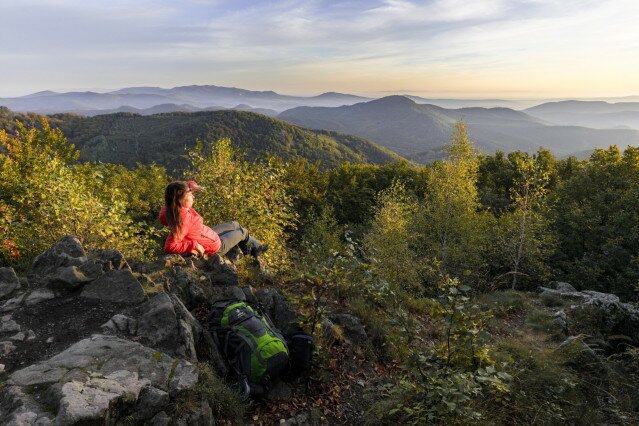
188, 342
561, 320
18, 337
30, 335
201, 416
90, 401
561, 286
160, 419
158, 326
184, 378
7, 347
18, 408
352, 326
111, 259
39, 295
8, 282
121, 323
116, 286
221, 271
229, 292
66, 252
277, 307
65, 278
151, 402
92, 269
103, 355
12, 304
9, 326
203, 340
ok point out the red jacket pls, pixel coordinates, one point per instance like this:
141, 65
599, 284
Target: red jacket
193, 231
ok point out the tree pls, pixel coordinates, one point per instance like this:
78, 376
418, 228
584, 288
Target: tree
596, 219
390, 240
450, 226
523, 238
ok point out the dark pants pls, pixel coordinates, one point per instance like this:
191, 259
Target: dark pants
232, 234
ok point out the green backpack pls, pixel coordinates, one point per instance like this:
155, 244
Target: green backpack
254, 348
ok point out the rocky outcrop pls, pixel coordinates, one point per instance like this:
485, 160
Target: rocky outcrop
619, 318
9, 282
86, 338
84, 344
100, 379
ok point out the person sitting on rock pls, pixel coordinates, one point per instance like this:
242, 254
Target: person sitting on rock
189, 234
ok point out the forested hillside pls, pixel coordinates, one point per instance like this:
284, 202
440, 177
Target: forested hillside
480, 289
127, 139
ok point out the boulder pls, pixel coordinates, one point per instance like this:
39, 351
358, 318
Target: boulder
121, 324
158, 324
119, 286
226, 292
39, 295
352, 327
12, 304
66, 252
92, 400
65, 278
110, 259
151, 401
100, 379
221, 271
8, 282
562, 287
18, 408
561, 320
276, 306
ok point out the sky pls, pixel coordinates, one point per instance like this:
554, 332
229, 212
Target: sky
512, 49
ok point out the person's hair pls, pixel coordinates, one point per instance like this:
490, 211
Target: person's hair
173, 194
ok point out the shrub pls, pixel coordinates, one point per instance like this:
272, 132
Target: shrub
253, 194
43, 199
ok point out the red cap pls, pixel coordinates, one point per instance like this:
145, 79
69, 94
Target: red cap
194, 187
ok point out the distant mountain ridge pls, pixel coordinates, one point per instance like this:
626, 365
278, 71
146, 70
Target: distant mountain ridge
199, 97
595, 114
419, 131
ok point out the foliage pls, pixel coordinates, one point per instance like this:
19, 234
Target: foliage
522, 236
253, 194
443, 386
353, 188
389, 240
596, 220
450, 227
43, 199
461, 323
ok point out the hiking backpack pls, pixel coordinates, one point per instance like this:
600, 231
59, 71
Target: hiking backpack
254, 348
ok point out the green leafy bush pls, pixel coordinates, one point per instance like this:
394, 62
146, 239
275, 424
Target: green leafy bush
254, 194
44, 199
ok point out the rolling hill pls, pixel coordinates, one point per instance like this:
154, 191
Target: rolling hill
126, 138
595, 114
419, 131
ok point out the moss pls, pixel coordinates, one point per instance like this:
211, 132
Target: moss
172, 373
157, 355
225, 403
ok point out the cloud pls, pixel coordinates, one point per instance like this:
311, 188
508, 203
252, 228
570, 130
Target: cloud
195, 40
